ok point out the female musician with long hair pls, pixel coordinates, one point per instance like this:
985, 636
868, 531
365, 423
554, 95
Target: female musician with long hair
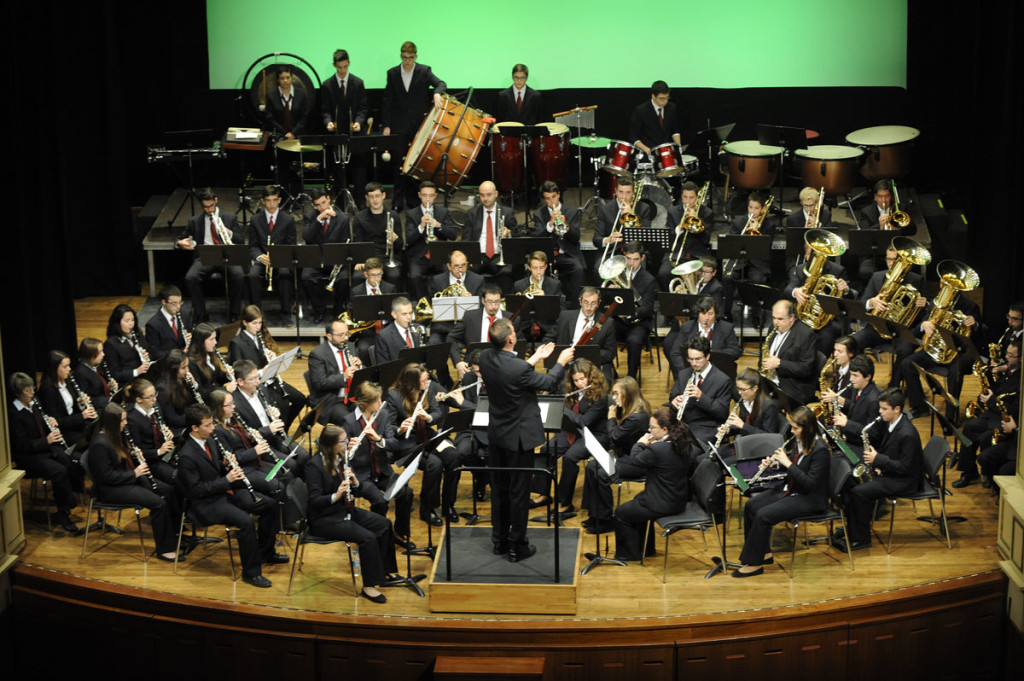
125, 346
61, 397
90, 371
664, 456
120, 479
413, 388
203, 362
754, 413
332, 515
629, 416
173, 392
805, 491
255, 344
146, 429
254, 455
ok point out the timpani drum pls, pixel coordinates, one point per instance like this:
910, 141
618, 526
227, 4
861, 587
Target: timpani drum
620, 159
550, 154
752, 165
441, 128
668, 160
831, 166
888, 150
507, 154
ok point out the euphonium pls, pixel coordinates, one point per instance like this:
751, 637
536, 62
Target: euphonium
613, 272
899, 297
954, 277
825, 245
687, 279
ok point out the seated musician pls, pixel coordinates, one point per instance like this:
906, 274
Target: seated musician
271, 225
487, 223
806, 218
796, 290
203, 230
843, 351
425, 222
255, 405
168, 328
686, 245
654, 123
608, 236
89, 372
205, 363
893, 452
371, 225
125, 349
255, 344
664, 456
148, 429
1001, 457
857, 406
562, 224
323, 224
473, 327
519, 102
753, 414
629, 416
756, 221
120, 479
412, 400
993, 402
62, 398
704, 389
332, 364
790, 358
332, 514
459, 280
635, 330
41, 451
393, 337
876, 215
707, 286
537, 283
720, 333
371, 433
175, 392
805, 491
574, 325
373, 285
216, 494
251, 450
464, 398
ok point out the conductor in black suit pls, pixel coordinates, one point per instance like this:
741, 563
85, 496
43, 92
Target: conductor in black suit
168, 328
473, 327
343, 110
324, 224
654, 122
487, 223
407, 99
288, 107
514, 430
202, 230
791, 353
561, 223
519, 103
271, 226
425, 222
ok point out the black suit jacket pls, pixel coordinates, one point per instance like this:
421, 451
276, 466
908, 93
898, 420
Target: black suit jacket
467, 331
550, 286
53, 404
247, 414
416, 241
146, 437
244, 347
723, 339
321, 488
371, 228
259, 231
204, 480
473, 282
325, 377
697, 245
622, 436
507, 110
809, 476
859, 411
361, 460
591, 415
160, 337
28, 434
607, 218
568, 244
668, 476
474, 225
868, 219
403, 111
196, 229
646, 287
645, 127
797, 219
335, 109
900, 457
91, 382
768, 421
122, 358
512, 386
390, 342
704, 414
337, 229
797, 371
565, 327
274, 115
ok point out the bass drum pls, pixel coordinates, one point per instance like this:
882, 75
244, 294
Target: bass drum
441, 128
752, 165
658, 195
507, 155
830, 166
888, 148
550, 154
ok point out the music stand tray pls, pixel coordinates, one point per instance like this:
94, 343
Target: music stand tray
293, 255
627, 308
434, 357
453, 308
348, 253
516, 250
224, 255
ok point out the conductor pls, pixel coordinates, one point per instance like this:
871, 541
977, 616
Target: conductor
514, 430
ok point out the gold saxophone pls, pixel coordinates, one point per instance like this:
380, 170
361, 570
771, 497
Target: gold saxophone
1004, 415
769, 374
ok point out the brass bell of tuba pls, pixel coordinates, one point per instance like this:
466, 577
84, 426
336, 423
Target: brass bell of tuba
954, 278
824, 245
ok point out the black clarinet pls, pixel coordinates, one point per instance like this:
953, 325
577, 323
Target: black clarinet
112, 386
83, 400
232, 462
166, 432
50, 428
181, 329
137, 453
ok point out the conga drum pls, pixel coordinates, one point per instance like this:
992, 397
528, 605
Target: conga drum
507, 155
752, 165
888, 150
441, 131
550, 154
831, 166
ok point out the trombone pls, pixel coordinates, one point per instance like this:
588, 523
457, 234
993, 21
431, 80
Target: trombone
689, 224
625, 219
897, 217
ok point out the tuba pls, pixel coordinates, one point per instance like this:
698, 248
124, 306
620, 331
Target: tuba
899, 297
613, 272
825, 245
687, 277
955, 278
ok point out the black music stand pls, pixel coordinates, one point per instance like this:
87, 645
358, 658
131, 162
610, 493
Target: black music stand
226, 256
964, 345
843, 309
350, 254
373, 146
460, 422
656, 241
893, 330
759, 297
295, 256
795, 242
709, 140
365, 308
786, 138
678, 304
553, 420
724, 362
627, 308
434, 357
526, 135
515, 251
870, 242
540, 308
440, 252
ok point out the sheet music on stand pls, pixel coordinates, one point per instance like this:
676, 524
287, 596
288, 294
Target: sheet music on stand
278, 365
649, 235
600, 454
453, 308
399, 483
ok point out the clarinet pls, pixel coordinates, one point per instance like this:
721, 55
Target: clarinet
721, 434
50, 428
228, 370
772, 462
112, 386
137, 453
164, 429
194, 387
181, 328
266, 354
272, 411
232, 462
143, 355
83, 400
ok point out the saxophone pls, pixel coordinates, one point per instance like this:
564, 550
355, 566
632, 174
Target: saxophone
769, 374
1004, 415
981, 371
862, 471
955, 277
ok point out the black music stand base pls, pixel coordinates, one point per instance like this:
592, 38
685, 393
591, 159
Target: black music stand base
597, 559
410, 580
720, 566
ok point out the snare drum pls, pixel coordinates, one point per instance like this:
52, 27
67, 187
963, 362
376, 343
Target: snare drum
621, 159
691, 165
550, 154
668, 160
888, 150
440, 128
752, 165
507, 155
830, 166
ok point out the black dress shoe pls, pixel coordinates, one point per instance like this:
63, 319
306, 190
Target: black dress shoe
966, 480
521, 552
754, 573
600, 527
257, 581
986, 483
588, 522
164, 558
480, 491
500, 549
379, 598
393, 580
919, 412
64, 520
452, 515
537, 503
431, 518
404, 542
277, 559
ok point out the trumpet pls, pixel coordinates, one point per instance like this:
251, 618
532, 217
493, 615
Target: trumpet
558, 222
223, 233
269, 269
335, 272
232, 463
688, 224
686, 396
501, 228
862, 471
143, 355
140, 460
770, 462
389, 241
429, 236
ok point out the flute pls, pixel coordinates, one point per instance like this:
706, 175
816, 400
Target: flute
444, 396
420, 409
232, 462
137, 453
770, 462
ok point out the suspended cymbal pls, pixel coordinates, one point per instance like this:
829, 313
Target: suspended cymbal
591, 142
297, 146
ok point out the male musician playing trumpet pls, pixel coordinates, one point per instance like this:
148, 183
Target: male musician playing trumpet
806, 218
686, 246
538, 284
371, 225
487, 223
562, 223
324, 224
608, 230
271, 226
572, 325
635, 330
168, 328
425, 222
331, 367
204, 229
704, 389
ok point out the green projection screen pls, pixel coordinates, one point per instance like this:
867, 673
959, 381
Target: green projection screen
576, 43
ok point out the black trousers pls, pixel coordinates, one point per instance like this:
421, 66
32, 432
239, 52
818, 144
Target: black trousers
762, 512
194, 286
510, 494
255, 538
860, 503
283, 286
371, 532
164, 510
63, 474
373, 491
631, 520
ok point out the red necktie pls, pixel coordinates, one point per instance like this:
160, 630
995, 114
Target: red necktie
270, 225
174, 326
209, 454
490, 320
213, 234
490, 236
661, 117
519, 101
326, 222
459, 282
106, 386
700, 381
408, 338
342, 88
158, 435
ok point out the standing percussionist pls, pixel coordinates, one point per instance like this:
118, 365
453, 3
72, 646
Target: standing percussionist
287, 106
519, 103
562, 224
344, 111
514, 431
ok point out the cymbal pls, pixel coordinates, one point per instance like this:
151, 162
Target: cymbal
297, 146
591, 142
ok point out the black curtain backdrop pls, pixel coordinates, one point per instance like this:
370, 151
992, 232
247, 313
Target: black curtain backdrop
96, 82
